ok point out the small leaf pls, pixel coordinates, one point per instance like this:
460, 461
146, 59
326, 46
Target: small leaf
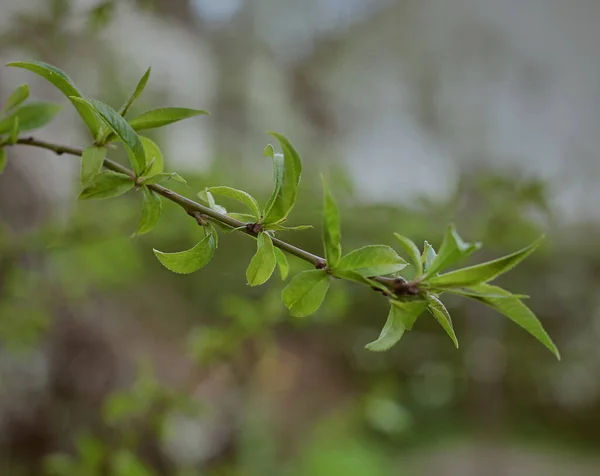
277, 227
240, 196
120, 127
91, 163
186, 262
471, 293
331, 227
151, 210
31, 116
277, 178
290, 178
61, 81
439, 311
243, 217
351, 275
282, 264
2, 159
516, 311
372, 260
412, 251
162, 117
16, 97
207, 197
154, 158
484, 272
401, 318
14, 133
269, 151
305, 292
428, 256
141, 85
162, 178
263, 263
453, 249
106, 184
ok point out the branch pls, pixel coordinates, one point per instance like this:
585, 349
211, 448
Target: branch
192, 208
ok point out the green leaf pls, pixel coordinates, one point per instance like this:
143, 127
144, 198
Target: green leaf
61, 81
263, 263
269, 151
120, 127
277, 227
162, 178
16, 97
151, 210
277, 178
372, 260
282, 263
14, 133
516, 311
106, 184
471, 293
207, 197
401, 318
186, 262
31, 116
412, 251
439, 311
453, 249
331, 227
240, 196
428, 256
2, 159
162, 117
141, 85
305, 292
484, 272
243, 217
154, 158
91, 163
290, 178
351, 275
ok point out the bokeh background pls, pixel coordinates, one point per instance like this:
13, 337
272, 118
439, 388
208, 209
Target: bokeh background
420, 112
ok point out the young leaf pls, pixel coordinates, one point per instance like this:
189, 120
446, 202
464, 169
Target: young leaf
31, 116
162, 178
162, 117
106, 184
484, 272
14, 133
207, 197
286, 196
372, 260
151, 210
277, 178
269, 151
412, 251
516, 311
2, 159
263, 263
453, 249
186, 262
277, 227
141, 85
120, 127
91, 163
401, 318
240, 196
331, 228
439, 311
61, 81
243, 217
352, 275
16, 97
305, 292
282, 264
154, 157
428, 256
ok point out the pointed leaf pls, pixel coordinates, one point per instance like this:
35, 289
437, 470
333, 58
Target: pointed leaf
31, 116
186, 262
292, 171
453, 249
484, 272
14, 133
305, 292
428, 256
141, 85
372, 260
2, 159
263, 262
16, 97
516, 311
162, 117
207, 197
401, 318
352, 275
151, 211
91, 163
243, 217
154, 157
277, 227
471, 293
331, 227
282, 264
120, 127
412, 251
240, 196
269, 151
61, 81
439, 311
411, 310
106, 184
162, 178
277, 179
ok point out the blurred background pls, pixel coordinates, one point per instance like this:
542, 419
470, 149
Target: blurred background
420, 112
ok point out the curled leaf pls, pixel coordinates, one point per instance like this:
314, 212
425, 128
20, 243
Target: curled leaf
331, 227
282, 263
151, 211
186, 262
238, 195
412, 251
453, 249
91, 163
263, 263
441, 314
401, 318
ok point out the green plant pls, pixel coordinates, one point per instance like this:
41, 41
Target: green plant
376, 266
